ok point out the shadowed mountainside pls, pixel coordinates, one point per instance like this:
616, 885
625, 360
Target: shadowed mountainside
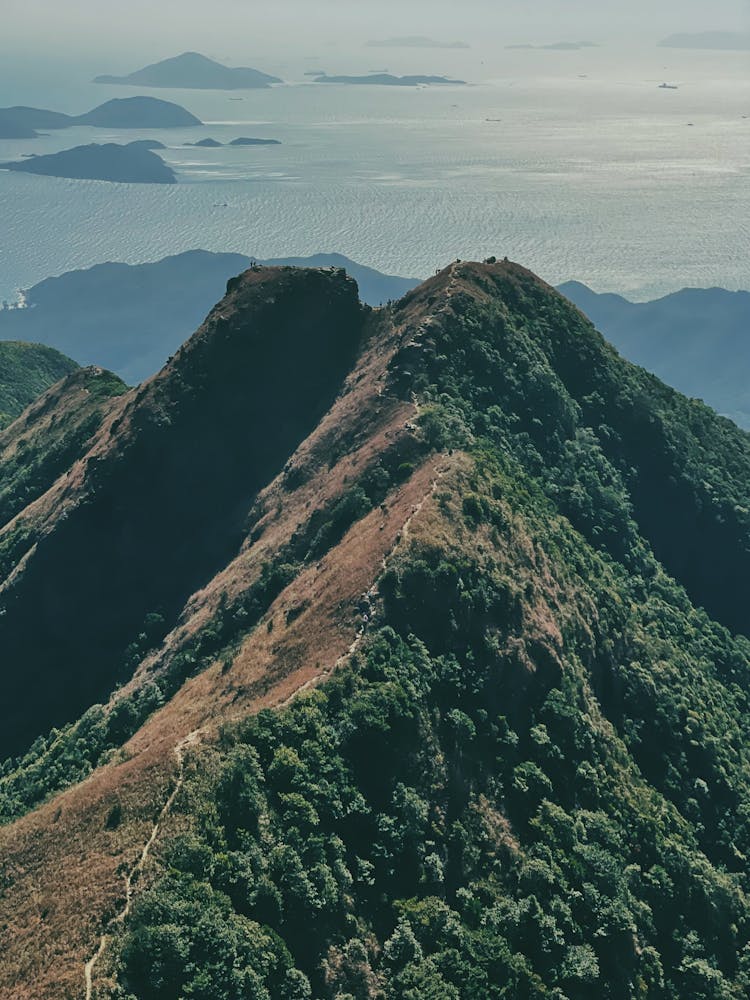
181, 445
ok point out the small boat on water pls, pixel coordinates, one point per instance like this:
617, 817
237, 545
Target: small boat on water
668, 86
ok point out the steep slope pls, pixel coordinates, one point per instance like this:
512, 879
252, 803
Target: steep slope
523, 771
695, 339
26, 370
158, 503
51, 435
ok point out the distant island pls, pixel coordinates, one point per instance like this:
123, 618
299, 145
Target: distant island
210, 143
193, 71
138, 112
126, 112
130, 164
148, 143
23, 122
249, 141
557, 46
388, 80
726, 41
414, 42
11, 130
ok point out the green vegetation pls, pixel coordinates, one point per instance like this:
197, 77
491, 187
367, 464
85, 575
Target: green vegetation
528, 832
533, 779
70, 753
560, 802
32, 459
26, 371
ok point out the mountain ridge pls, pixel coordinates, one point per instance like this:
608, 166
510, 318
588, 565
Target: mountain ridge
149, 309
456, 569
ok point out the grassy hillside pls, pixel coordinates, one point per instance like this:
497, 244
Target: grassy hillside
51, 434
465, 712
26, 370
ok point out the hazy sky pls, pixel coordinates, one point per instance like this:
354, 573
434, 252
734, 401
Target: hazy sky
240, 29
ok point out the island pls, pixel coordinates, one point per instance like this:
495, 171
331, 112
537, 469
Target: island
16, 130
414, 42
193, 71
129, 164
249, 141
23, 123
128, 112
241, 141
388, 80
138, 112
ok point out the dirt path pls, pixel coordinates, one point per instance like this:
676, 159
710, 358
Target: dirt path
135, 872
403, 534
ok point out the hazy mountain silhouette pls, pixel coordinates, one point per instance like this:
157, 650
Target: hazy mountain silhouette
133, 163
193, 71
697, 340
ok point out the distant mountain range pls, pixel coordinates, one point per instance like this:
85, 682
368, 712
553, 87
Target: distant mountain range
133, 163
697, 340
130, 318
127, 112
193, 71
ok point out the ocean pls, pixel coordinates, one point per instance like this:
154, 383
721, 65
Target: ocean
575, 164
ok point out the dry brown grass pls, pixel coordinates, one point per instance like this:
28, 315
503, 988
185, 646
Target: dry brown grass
63, 870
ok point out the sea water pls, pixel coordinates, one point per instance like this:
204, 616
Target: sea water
576, 164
